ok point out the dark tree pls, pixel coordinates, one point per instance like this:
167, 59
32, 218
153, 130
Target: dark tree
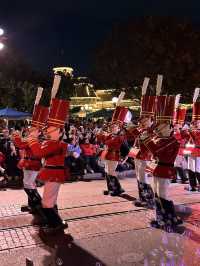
18, 81
147, 47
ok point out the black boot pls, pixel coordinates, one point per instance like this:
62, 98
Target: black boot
56, 208
141, 202
37, 200
146, 196
31, 204
159, 221
197, 175
116, 187
34, 199
149, 196
170, 218
192, 180
176, 220
55, 223
109, 185
174, 179
27, 208
181, 173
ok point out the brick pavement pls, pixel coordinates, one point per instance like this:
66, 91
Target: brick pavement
19, 237
10, 210
104, 216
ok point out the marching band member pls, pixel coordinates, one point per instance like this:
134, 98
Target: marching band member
53, 151
182, 136
29, 163
139, 152
164, 148
111, 155
193, 146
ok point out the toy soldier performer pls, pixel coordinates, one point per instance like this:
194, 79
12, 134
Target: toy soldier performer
29, 163
164, 148
182, 137
111, 154
193, 146
53, 151
140, 153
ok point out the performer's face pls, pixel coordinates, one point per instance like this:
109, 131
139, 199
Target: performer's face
114, 128
163, 130
34, 132
52, 133
145, 122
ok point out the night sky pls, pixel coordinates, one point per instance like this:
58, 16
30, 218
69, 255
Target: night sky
52, 33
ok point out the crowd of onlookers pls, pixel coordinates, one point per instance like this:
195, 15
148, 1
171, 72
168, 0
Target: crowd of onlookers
82, 154
9, 158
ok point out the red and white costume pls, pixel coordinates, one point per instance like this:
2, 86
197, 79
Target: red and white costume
111, 154
164, 149
141, 154
53, 152
193, 149
29, 163
181, 135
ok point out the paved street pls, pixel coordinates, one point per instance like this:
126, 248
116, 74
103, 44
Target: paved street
103, 230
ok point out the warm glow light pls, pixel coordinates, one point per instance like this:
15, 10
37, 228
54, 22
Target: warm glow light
1, 45
1, 31
64, 70
114, 100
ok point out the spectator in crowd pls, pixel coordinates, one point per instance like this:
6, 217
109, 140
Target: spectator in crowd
82, 155
11, 156
73, 158
89, 155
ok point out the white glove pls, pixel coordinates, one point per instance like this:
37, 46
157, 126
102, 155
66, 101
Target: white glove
189, 145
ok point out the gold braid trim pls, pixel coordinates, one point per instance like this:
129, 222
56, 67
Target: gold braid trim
163, 147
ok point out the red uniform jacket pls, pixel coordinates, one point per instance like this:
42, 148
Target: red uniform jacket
113, 144
195, 140
28, 160
54, 153
182, 136
164, 151
132, 133
101, 137
139, 150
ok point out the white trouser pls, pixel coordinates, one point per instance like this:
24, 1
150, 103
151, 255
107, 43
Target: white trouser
2, 170
50, 194
29, 179
180, 162
194, 164
161, 187
140, 167
110, 167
